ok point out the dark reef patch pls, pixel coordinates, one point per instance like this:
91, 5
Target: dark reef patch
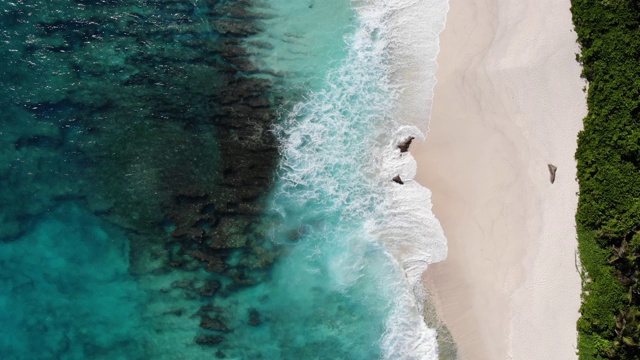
152, 116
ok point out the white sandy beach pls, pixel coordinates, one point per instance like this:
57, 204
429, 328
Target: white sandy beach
508, 101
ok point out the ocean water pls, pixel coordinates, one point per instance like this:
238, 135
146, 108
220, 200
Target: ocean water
213, 179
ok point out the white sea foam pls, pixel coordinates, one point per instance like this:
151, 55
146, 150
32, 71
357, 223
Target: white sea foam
339, 154
411, 30
410, 231
414, 237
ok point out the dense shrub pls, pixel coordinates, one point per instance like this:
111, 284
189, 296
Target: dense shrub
608, 158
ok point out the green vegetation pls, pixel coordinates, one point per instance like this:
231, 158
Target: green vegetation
608, 156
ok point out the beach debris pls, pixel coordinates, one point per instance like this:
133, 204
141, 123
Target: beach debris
404, 146
552, 172
398, 180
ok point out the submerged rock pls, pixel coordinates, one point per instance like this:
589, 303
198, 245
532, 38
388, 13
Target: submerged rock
398, 180
228, 27
209, 288
231, 232
242, 64
213, 323
209, 339
214, 262
254, 317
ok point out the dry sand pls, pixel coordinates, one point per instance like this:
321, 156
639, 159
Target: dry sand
508, 101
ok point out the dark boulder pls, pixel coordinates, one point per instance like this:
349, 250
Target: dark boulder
552, 172
404, 146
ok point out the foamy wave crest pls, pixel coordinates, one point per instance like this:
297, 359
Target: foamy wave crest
411, 30
410, 230
339, 154
414, 237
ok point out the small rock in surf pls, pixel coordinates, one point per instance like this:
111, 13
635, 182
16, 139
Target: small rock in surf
404, 146
398, 180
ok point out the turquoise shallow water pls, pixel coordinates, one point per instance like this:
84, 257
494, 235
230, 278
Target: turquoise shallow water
206, 179
67, 292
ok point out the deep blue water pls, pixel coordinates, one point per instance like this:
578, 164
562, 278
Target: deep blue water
207, 179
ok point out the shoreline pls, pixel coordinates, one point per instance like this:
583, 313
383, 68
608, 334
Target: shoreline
508, 101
